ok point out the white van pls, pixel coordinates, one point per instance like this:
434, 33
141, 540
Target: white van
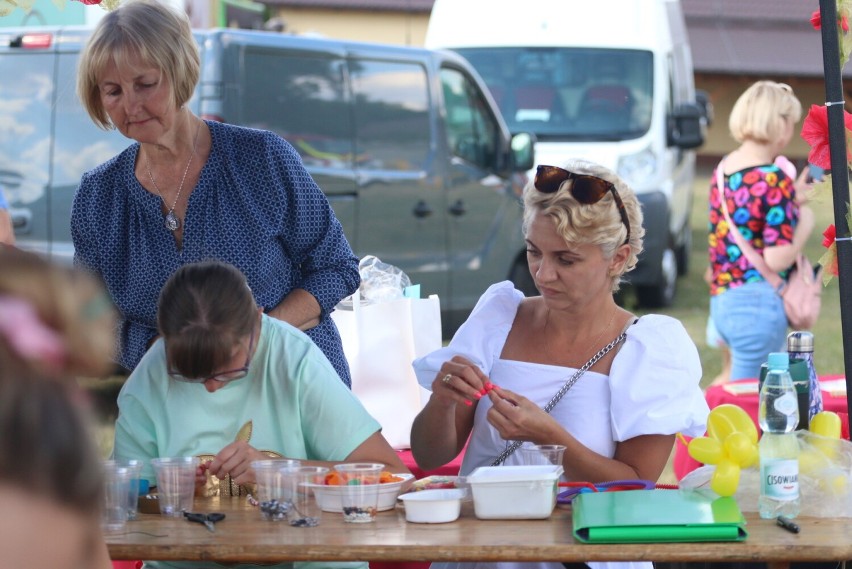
608, 81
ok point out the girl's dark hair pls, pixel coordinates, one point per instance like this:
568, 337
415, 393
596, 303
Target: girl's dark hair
47, 447
205, 308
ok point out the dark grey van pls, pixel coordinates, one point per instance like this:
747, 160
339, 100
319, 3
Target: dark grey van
406, 143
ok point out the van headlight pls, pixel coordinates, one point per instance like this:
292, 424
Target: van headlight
638, 170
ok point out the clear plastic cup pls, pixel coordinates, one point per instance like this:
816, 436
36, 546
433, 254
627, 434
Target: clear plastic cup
116, 488
542, 454
175, 484
360, 499
304, 510
271, 493
135, 467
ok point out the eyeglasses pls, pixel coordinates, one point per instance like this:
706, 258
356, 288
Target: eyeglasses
223, 377
586, 189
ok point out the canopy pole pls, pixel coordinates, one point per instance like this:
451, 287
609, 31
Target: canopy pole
839, 177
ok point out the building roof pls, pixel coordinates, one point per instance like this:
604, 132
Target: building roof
754, 37
739, 37
365, 5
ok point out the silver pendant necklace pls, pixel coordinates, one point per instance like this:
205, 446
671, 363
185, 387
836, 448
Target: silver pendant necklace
172, 222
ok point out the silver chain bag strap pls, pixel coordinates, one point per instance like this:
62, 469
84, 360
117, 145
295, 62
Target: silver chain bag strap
562, 391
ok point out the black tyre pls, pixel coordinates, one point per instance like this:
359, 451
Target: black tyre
660, 294
683, 252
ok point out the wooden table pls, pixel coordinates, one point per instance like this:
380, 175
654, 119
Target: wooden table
243, 536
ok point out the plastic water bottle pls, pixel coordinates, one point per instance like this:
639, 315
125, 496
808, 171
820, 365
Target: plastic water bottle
800, 345
778, 416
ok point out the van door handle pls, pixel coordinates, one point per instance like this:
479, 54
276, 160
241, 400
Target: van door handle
458, 208
22, 220
422, 210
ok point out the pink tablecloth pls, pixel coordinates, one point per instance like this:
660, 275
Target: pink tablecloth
717, 395
449, 469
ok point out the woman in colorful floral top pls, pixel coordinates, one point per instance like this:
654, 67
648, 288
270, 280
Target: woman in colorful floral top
765, 204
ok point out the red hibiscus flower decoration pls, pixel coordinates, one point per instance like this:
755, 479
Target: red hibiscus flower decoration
828, 236
93, 2
816, 20
815, 133
829, 258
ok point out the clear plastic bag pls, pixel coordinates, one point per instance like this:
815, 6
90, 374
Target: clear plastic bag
380, 281
825, 478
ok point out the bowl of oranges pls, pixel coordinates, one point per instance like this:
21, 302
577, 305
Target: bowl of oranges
328, 494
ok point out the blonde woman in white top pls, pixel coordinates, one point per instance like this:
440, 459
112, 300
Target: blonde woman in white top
634, 382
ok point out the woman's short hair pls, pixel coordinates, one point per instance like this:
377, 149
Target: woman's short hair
597, 224
158, 34
762, 111
205, 309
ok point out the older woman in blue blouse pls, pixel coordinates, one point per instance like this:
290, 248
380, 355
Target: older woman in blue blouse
191, 189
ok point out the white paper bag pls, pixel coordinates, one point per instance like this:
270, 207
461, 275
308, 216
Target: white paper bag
380, 341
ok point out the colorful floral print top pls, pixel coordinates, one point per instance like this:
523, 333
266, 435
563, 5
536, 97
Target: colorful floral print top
761, 202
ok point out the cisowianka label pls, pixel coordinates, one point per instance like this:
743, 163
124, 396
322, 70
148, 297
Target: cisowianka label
787, 404
779, 479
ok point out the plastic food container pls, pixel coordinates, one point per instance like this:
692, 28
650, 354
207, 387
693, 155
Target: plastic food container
329, 497
436, 482
433, 506
514, 492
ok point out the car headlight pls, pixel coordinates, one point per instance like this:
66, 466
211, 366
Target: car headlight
638, 170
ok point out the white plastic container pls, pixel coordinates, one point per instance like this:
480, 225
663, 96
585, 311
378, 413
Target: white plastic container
433, 506
514, 492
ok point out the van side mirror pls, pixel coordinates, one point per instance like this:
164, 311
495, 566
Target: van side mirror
523, 151
684, 126
702, 99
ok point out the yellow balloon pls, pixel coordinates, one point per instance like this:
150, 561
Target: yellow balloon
728, 418
813, 463
826, 424
726, 478
835, 485
705, 450
740, 449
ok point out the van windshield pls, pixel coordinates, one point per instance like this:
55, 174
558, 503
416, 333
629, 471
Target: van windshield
569, 93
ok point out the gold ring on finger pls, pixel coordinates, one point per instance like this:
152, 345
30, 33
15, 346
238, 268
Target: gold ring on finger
446, 379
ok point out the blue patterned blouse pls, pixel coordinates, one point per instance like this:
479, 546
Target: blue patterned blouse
255, 206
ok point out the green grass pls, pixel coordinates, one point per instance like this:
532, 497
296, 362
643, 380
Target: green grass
692, 301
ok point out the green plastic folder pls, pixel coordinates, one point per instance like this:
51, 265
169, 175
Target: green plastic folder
656, 516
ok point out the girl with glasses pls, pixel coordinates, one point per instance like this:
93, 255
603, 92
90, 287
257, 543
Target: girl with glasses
569, 367
231, 384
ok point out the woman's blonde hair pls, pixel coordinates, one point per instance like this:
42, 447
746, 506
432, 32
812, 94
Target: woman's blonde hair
70, 311
762, 111
156, 33
596, 224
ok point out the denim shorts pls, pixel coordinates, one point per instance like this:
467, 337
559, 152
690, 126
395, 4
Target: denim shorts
751, 320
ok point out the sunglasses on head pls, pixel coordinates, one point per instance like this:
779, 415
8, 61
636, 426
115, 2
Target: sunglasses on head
586, 189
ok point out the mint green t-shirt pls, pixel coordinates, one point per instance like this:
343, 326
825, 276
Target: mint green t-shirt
294, 399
